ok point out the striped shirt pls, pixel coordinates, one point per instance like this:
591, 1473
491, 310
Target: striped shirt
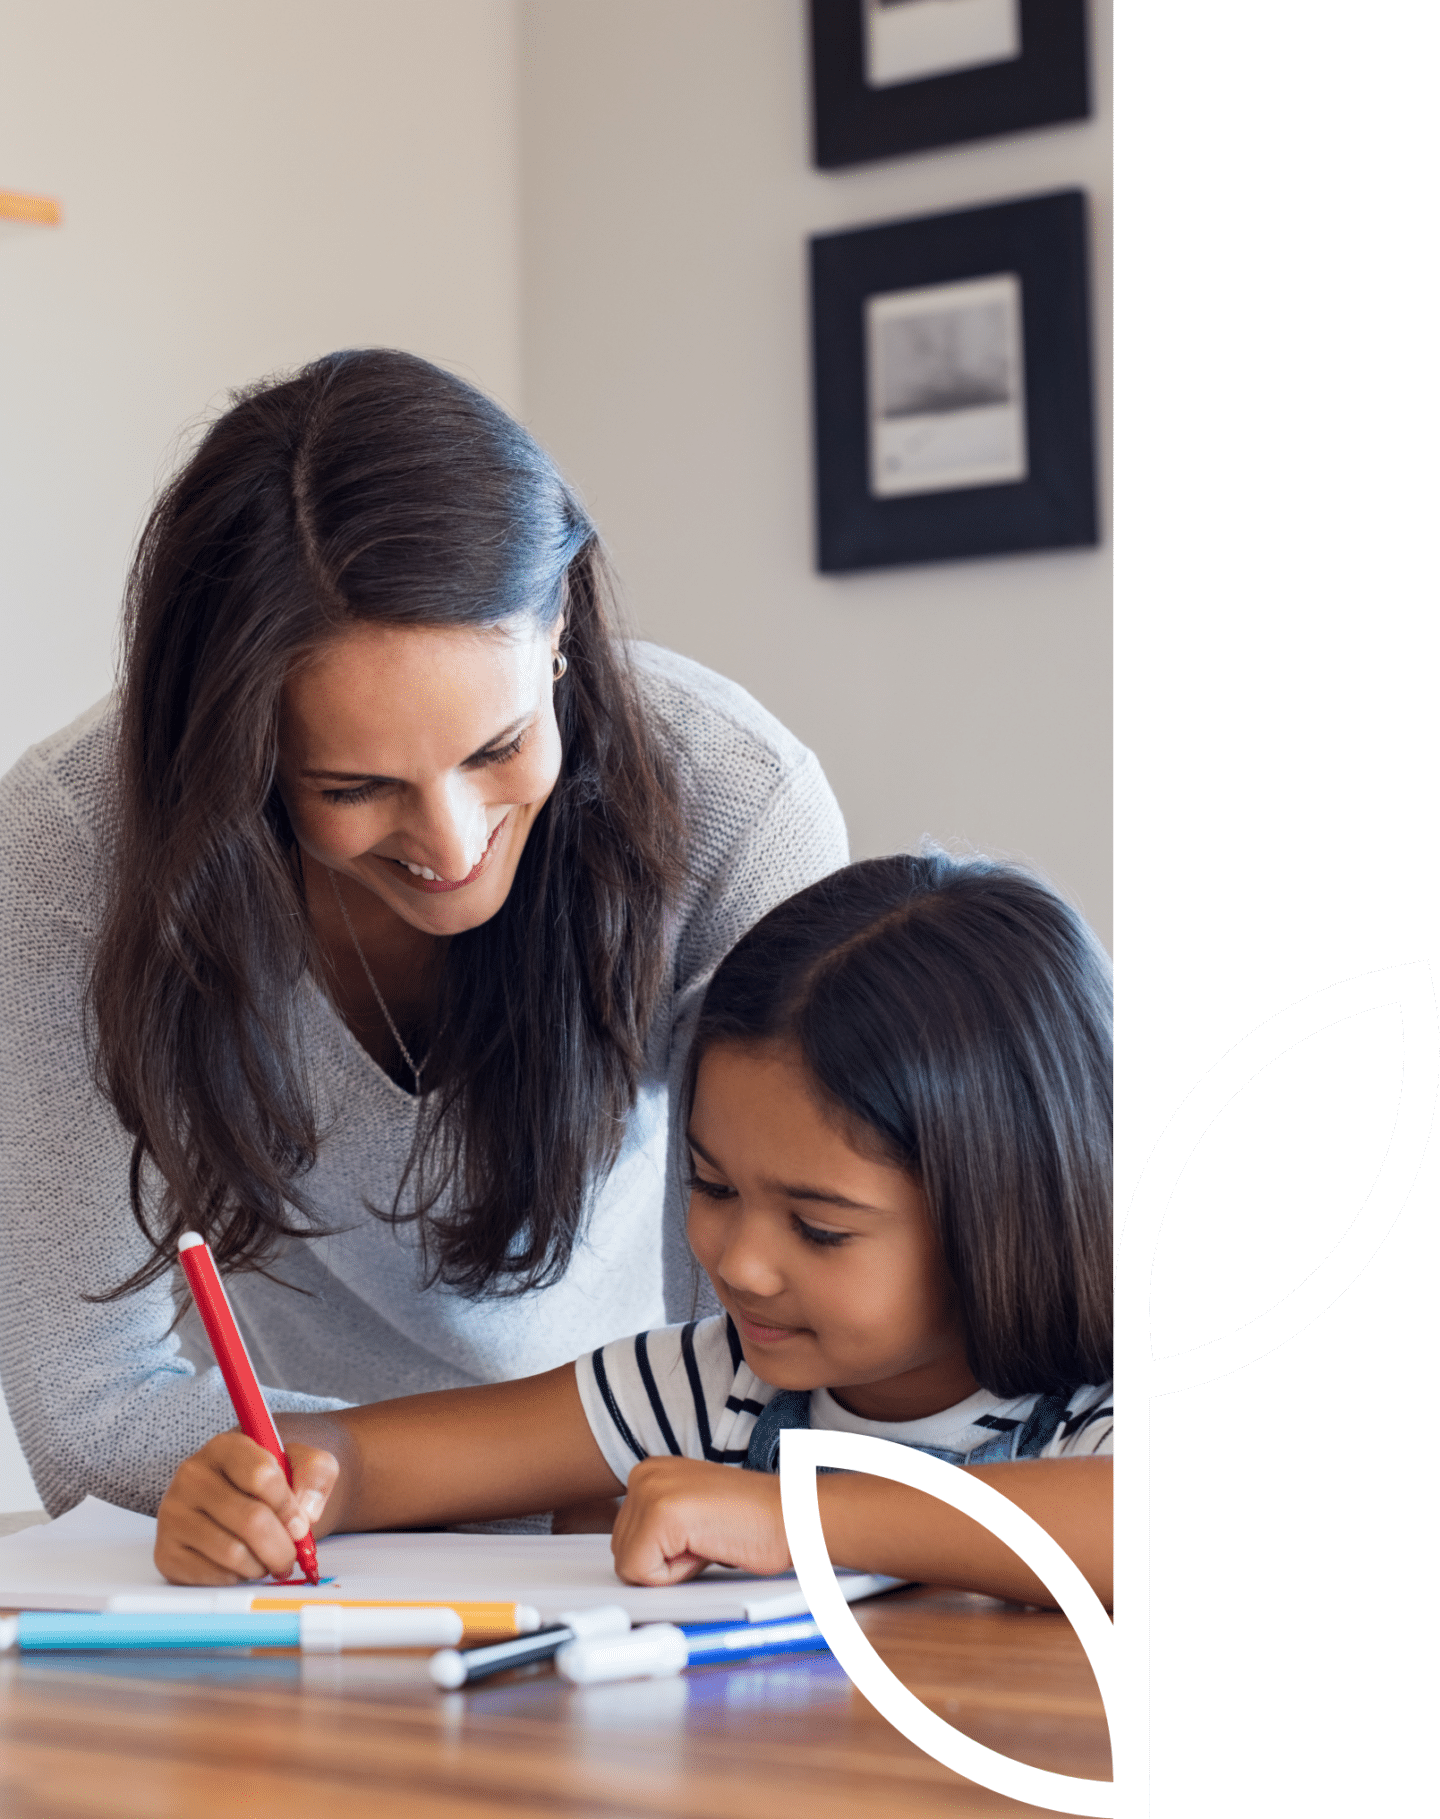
687, 1391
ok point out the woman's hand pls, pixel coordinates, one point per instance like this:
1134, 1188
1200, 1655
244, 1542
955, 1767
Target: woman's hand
681, 1514
229, 1514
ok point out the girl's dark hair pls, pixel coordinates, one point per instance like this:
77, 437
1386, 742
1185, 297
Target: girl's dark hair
369, 488
957, 1013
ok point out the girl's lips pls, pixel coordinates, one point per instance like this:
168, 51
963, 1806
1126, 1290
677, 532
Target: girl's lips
436, 887
759, 1334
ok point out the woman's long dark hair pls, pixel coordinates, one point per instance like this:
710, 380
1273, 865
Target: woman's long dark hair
369, 488
957, 1014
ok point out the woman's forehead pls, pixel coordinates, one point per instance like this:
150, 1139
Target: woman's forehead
374, 688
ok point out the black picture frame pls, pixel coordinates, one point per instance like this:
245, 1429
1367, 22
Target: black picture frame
1041, 240
854, 123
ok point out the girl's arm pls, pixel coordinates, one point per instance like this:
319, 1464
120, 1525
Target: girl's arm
679, 1513
504, 1449
903, 1532
508, 1449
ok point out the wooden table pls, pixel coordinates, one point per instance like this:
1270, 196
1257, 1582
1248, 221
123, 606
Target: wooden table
368, 1737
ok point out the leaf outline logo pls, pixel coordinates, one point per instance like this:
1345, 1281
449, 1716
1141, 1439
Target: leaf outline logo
1410, 989
802, 1451
1140, 1377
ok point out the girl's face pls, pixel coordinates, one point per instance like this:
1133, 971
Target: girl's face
415, 759
824, 1256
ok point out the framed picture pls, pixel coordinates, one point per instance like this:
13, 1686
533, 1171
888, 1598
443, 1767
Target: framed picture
895, 76
954, 413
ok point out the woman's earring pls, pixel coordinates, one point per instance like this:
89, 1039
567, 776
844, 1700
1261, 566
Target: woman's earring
559, 666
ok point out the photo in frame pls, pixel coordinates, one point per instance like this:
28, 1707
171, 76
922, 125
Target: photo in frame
953, 398
895, 76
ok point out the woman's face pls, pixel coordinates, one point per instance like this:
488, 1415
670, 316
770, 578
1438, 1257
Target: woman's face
824, 1256
414, 760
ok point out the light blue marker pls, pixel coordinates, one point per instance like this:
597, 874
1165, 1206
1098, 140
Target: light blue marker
323, 1629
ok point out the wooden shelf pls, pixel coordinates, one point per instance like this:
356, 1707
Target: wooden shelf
43, 211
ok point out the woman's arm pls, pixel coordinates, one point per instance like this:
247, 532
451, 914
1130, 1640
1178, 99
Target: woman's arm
680, 1513
102, 1401
503, 1449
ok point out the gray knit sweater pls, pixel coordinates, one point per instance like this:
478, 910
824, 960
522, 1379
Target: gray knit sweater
106, 1398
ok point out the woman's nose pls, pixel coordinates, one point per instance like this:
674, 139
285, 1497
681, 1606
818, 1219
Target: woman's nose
449, 833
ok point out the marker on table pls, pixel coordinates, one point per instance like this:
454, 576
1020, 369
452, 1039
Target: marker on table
450, 1669
256, 1421
323, 1629
667, 1648
478, 1619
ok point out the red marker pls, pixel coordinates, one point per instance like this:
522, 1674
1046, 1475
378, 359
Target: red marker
256, 1421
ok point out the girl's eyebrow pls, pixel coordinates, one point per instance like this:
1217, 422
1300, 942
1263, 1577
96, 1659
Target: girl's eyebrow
792, 1190
495, 739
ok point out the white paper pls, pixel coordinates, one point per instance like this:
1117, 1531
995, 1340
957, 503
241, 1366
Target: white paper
907, 40
946, 378
95, 1552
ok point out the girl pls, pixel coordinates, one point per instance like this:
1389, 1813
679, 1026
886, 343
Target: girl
899, 1132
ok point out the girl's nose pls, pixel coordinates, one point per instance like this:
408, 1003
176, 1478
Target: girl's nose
746, 1262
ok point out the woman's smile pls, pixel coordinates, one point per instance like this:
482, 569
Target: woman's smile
421, 878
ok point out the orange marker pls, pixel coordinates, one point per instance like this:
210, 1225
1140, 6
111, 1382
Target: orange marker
480, 1619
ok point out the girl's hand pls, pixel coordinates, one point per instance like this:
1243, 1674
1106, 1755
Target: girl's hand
681, 1514
229, 1514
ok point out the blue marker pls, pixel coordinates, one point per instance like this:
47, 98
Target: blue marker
667, 1648
323, 1629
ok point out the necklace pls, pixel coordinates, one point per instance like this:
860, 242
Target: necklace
410, 1061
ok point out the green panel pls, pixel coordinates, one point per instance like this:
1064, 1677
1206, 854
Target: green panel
1277, 664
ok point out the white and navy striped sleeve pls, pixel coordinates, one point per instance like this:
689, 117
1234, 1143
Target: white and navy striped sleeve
680, 1390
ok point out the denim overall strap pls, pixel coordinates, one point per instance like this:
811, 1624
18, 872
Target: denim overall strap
791, 1408
1039, 1429
786, 1408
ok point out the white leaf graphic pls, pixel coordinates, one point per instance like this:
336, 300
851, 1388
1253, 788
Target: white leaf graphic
1140, 1377
1413, 992
802, 1450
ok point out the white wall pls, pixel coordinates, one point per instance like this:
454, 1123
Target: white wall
245, 187
668, 193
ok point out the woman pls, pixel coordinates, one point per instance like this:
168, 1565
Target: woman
364, 933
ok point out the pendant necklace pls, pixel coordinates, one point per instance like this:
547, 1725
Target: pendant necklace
410, 1062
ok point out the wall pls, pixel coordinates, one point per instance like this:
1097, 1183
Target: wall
245, 188
667, 195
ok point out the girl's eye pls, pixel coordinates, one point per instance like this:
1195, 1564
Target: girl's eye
817, 1234
362, 792
712, 1190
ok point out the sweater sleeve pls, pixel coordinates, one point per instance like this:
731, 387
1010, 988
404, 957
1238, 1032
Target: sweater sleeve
765, 824
103, 1402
